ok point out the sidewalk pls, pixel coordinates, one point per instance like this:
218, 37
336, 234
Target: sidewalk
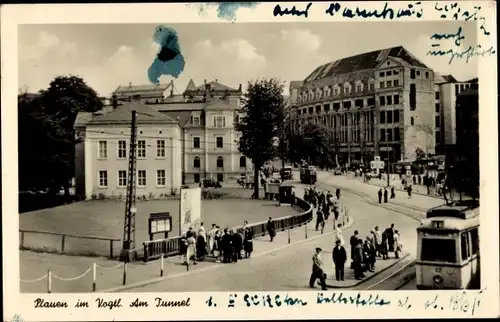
416, 188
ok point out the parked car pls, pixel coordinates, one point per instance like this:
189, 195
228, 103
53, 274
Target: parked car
211, 183
372, 174
337, 171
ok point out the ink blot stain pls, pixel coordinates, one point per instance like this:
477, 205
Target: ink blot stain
169, 59
225, 10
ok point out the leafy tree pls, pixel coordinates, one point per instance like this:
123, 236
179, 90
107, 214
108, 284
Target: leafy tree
52, 113
310, 144
263, 107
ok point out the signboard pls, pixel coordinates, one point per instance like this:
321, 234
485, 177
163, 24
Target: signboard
377, 164
160, 222
190, 209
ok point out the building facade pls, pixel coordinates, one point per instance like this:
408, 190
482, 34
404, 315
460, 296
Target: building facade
376, 103
102, 155
447, 89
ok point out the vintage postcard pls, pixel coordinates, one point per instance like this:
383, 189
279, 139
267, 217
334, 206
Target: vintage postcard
250, 161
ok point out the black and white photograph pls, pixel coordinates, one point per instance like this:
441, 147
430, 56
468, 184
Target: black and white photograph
279, 156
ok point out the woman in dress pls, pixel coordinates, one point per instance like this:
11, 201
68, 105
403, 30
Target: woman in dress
191, 246
398, 246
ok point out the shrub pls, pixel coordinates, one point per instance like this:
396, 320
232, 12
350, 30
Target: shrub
212, 194
173, 192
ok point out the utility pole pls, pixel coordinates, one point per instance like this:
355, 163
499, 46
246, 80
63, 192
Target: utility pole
388, 164
128, 247
282, 146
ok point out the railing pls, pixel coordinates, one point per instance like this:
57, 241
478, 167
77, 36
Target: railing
64, 237
154, 249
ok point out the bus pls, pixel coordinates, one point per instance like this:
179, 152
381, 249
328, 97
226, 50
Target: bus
308, 175
448, 247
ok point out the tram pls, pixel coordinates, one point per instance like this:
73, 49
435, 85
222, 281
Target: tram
308, 175
448, 247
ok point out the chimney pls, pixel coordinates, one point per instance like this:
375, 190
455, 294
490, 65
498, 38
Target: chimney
114, 102
172, 88
205, 81
130, 84
239, 88
216, 80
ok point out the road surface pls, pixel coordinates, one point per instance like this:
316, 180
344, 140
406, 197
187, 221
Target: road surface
289, 269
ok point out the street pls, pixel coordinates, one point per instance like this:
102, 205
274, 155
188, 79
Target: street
289, 268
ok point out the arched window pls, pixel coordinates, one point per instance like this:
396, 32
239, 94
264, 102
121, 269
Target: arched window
243, 162
220, 162
196, 162
412, 121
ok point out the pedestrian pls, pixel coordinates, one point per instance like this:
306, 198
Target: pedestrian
419, 179
398, 245
409, 191
358, 260
326, 210
211, 240
353, 242
371, 257
201, 243
241, 232
339, 235
329, 198
390, 238
384, 246
270, 229
414, 179
386, 193
236, 245
293, 198
227, 247
318, 271
336, 204
191, 246
393, 193
248, 245
380, 195
320, 220
378, 240
306, 195
339, 258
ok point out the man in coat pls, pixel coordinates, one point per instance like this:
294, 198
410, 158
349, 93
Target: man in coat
380, 196
386, 193
390, 238
339, 259
318, 270
393, 193
358, 260
353, 242
270, 228
320, 220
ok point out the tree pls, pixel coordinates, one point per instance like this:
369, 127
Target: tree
311, 144
263, 108
52, 114
420, 154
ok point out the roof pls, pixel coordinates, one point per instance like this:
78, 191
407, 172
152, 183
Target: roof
363, 61
182, 117
469, 92
450, 79
473, 80
215, 86
143, 90
82, 118
220, 104
191, 86
179, 107
123, 114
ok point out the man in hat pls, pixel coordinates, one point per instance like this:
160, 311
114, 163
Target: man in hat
339, 259
318, 270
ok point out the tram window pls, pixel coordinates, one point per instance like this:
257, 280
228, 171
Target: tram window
474, 240
464, 244
438, 250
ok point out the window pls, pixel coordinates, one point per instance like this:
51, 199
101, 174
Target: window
389, 134
336, 106
457, 91
412, 121
382, 117
372, 86
326, 107
370, 101
347, 104
160, 178
438, 250
122, 149
437, 137
438, 121
474, 241
347, 89
396, 116
304, 111
196, 162
396, 82
220, 142
141, 178
396, 99
396, 72
318, 108
418, 73
243, 162
382, 134
426, 74
141, 149
197, 178
389, 73
358, 88
311, 110
336, 91
396, 133
412, 73
382, 74
196, 142
160, 148
382, 85
103, 179
389, 100
122, 178
413, 97
220, 162
103, 150
461, 87
299, 111
382, 100
389, 117
464, 245
358, 103
437, 95
389, 84
219, 121
220, 177
196, 120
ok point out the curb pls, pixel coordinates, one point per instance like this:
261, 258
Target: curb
217, 265
373, 275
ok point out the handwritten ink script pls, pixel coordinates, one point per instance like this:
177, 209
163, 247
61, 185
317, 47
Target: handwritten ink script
115, 303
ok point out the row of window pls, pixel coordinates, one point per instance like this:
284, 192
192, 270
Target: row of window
161, 178
388, 117
122, 149
219, 162
219, 120
219, 142
389, 73
390, 134
384, 101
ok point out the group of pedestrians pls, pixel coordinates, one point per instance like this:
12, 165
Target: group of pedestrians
225, 245
385, 194
325, 204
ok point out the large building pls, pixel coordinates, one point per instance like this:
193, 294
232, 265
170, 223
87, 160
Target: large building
102, 155
447, 89
376, 103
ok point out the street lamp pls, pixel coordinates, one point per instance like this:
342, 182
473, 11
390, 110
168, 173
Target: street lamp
388, 162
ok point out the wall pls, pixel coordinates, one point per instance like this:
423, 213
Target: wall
171, 163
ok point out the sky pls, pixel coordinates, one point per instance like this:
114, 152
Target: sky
109, 55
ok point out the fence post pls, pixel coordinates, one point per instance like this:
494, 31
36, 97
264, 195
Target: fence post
49, 282
125, 273
110, 248
94, 276
63, 240
22, 238
289, 235
161, 265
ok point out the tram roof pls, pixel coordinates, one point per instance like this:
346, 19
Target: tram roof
460, 210
450, 223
